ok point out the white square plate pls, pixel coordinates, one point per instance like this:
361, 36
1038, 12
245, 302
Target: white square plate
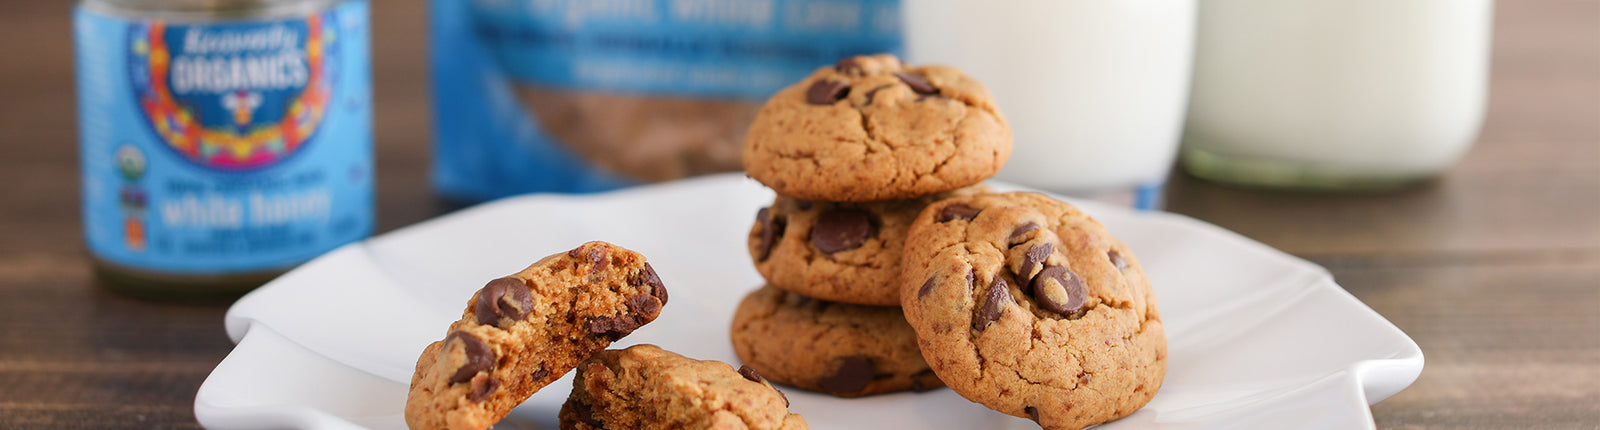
1257, 338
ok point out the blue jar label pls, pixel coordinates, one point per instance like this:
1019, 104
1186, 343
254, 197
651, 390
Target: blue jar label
231, 146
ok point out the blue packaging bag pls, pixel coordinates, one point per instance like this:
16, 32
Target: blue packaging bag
582, 96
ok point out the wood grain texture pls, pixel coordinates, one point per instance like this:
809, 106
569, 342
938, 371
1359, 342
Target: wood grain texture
1508, 344
1493, 268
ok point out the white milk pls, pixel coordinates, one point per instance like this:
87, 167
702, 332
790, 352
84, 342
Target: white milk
1336, 93
1094, 89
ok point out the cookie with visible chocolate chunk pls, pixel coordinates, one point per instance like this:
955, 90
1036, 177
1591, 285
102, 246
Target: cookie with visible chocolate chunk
842, 252
1025, 304
870, 128
835, 348
646, 387
522, 332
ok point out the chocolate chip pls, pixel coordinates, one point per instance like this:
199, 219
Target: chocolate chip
927, 287
958, 211
1116, 259
826, 92
480, 358
1084, 378
771, 229
925, 380
841, 229
585, 413
614, 327
750, 374
644, 305
995, 300
1059, 290
482, 386
847, 65
539, 375
1033, 260
647, 276
1022, 230
1033, 413
597, 260
917, 83
850, 375
503, 297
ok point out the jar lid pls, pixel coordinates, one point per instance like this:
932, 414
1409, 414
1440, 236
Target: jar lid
208, 10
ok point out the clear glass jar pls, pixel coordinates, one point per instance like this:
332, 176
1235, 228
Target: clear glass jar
1094, 90
1336, 95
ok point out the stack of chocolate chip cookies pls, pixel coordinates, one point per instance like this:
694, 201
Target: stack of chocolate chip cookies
855, 152
884, 253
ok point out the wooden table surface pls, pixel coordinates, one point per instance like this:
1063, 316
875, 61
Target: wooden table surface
1494, 268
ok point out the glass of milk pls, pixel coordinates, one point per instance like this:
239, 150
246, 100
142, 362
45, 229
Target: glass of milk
1094, 90
1336, 94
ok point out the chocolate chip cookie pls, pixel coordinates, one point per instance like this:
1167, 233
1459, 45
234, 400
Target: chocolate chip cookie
1030, 307
834, 348
522, 332
870, 128
842, 252
646, 387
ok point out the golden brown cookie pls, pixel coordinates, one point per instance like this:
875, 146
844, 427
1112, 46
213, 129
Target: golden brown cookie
522, 332
870, 128
1028, 306
646, 387
842, 252
835, 348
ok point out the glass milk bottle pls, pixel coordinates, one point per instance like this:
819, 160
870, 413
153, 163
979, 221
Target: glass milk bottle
1094, 90
1342, 95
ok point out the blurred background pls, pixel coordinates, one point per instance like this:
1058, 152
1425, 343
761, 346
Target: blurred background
1493, 266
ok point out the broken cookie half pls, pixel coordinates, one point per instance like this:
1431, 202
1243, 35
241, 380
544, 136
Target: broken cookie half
646, 387
521, 332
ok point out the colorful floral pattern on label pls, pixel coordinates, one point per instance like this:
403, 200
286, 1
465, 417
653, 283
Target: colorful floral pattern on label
224, 146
